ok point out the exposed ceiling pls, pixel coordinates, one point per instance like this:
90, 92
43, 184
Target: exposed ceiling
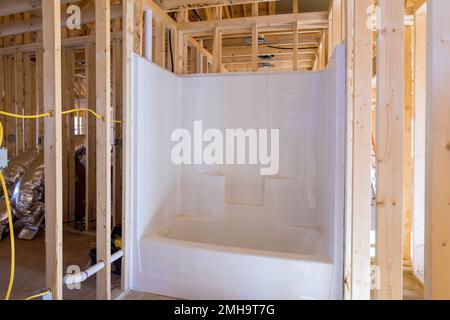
285, 6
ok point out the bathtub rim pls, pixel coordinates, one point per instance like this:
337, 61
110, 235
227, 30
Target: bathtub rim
157, 237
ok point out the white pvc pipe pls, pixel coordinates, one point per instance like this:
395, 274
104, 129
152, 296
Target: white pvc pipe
148, 34
84, 275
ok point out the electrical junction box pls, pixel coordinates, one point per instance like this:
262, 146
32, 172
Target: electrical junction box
3, 158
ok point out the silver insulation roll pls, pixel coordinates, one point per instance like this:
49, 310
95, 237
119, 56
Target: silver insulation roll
28, 197
16, 168
26, 187
12, 174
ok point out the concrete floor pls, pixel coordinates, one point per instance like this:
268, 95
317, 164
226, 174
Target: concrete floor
30, 265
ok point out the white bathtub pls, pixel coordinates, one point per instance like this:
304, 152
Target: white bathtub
210, 259
252, 237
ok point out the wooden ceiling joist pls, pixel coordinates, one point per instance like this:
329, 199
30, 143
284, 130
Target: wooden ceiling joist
313, 20
172, 5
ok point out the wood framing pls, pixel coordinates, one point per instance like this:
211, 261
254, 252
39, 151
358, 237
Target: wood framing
437, 195
390, 105
295, 46
305, 21
19, 102
217, 50
128, 26
174, 4
51, 12
255, 45
103, 89
40, 96
358, 39
408, 144
91, 133
117, 151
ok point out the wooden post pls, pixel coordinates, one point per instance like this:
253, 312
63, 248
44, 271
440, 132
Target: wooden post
160, 42
420, 108
40, 95
295, 37
68, 120
117, 151
359, 97
9, 123
255, 9
91, 137
272, 8
255, 45
337, 23
2, 86
103, 81
65, 134
28, 99
128, 24
51, 12
295, 46
19, 102
390, 104
139, 26
217, 50
437, 194
330, 34
408, 148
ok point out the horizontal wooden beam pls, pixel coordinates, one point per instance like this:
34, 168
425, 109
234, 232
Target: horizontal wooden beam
10, 7
35, 24
205, 52
277, 58
309, 20
150, 5
247, 51
174, 4
66, 42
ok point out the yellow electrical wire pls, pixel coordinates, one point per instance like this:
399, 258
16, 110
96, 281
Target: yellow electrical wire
50, 114
20, 116
11, 236
38, 295
5, 191
11, 226
1, 133
95, 114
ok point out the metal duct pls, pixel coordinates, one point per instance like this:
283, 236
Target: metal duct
15, 170
28, 196
25, 176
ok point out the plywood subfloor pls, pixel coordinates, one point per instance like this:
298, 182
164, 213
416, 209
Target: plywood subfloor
412, 290
136, 295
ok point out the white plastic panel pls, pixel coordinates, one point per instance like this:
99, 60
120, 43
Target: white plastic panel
232, 208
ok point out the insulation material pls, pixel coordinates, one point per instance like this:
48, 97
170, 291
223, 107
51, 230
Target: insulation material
28, 197
12, 174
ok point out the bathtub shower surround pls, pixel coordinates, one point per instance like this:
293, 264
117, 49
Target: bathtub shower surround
235, 151
208, 230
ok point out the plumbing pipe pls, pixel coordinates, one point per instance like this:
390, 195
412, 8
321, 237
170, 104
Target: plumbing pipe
148, 35
84, 275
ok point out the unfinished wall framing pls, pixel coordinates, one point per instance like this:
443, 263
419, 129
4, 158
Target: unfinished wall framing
392, 85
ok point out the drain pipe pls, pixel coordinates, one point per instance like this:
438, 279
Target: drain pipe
84, 275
